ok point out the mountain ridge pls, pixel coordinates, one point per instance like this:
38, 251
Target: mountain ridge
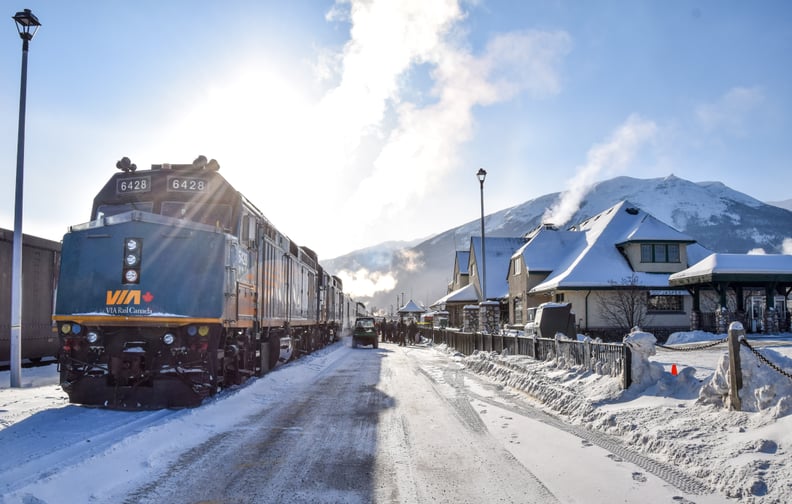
717, 216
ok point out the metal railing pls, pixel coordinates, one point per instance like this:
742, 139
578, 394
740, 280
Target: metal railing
605, 358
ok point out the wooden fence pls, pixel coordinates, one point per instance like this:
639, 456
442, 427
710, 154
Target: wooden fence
613, 359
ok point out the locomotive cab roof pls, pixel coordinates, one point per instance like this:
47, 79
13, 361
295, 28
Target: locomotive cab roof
195, 191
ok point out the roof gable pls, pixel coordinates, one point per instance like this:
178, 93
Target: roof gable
595, 261
462, 261
498, 251
411, 307
653, 230
466, 294
546, 247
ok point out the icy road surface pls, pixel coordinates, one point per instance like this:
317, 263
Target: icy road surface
394, 425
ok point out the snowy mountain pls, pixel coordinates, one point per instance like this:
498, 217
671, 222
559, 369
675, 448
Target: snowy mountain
787, 204
720, 218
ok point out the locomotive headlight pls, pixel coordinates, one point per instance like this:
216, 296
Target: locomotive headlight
203, 330
133, 250
76, 328
66, 328
168, 338
131, 276
192, 330
92, 337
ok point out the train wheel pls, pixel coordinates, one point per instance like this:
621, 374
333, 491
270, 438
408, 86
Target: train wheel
231, 372
274, 349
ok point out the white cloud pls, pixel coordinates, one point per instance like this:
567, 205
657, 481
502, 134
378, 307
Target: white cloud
731, 110
365, 283
786, 246
423, 147
366, 141
409, 260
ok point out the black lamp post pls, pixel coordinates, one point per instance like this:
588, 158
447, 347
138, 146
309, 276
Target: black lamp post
27, 24
482, 174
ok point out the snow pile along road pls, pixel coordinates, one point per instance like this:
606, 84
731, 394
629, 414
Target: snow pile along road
682, 420
676, 427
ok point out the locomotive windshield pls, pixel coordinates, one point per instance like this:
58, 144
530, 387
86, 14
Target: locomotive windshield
110, 210
213, 215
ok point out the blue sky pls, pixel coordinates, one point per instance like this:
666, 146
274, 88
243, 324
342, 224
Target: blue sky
351, 123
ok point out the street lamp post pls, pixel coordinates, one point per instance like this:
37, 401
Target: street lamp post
482, 174
27, 24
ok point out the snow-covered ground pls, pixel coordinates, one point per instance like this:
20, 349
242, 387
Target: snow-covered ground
683, 419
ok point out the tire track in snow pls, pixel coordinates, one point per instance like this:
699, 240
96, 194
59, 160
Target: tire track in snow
672, 475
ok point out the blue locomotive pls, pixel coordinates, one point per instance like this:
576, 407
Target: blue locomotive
179, 286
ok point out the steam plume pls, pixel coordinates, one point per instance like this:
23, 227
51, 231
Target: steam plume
608, 158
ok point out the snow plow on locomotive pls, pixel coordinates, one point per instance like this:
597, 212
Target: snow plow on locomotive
179, 286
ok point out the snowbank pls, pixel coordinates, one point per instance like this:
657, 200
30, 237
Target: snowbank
763, 388
680, 420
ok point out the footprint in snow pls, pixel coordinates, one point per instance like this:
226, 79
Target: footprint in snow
639, 477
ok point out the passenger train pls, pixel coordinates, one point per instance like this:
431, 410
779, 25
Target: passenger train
179, 286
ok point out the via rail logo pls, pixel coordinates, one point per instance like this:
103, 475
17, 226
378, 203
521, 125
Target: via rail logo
127, 302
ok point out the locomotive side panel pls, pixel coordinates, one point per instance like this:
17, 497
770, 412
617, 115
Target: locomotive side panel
273, 285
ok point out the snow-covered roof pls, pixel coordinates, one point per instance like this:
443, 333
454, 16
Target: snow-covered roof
498, 251
463, 259
411, 307
546, 247
697, 252
651, 229
595, 261
466, 294
736, 267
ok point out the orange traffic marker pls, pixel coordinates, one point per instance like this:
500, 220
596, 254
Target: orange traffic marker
673, 369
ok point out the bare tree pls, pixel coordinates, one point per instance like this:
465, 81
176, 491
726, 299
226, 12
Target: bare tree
626, 306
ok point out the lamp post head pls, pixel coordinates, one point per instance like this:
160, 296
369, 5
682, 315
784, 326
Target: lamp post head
27, 24
481, 174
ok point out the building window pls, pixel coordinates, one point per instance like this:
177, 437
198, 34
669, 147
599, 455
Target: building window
559, 297
671, 303
659, 252
517, 266
518, 310
673, 253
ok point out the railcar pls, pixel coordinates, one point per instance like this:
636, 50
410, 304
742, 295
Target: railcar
40, 260
178, 286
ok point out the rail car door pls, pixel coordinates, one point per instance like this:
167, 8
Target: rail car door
247, 273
